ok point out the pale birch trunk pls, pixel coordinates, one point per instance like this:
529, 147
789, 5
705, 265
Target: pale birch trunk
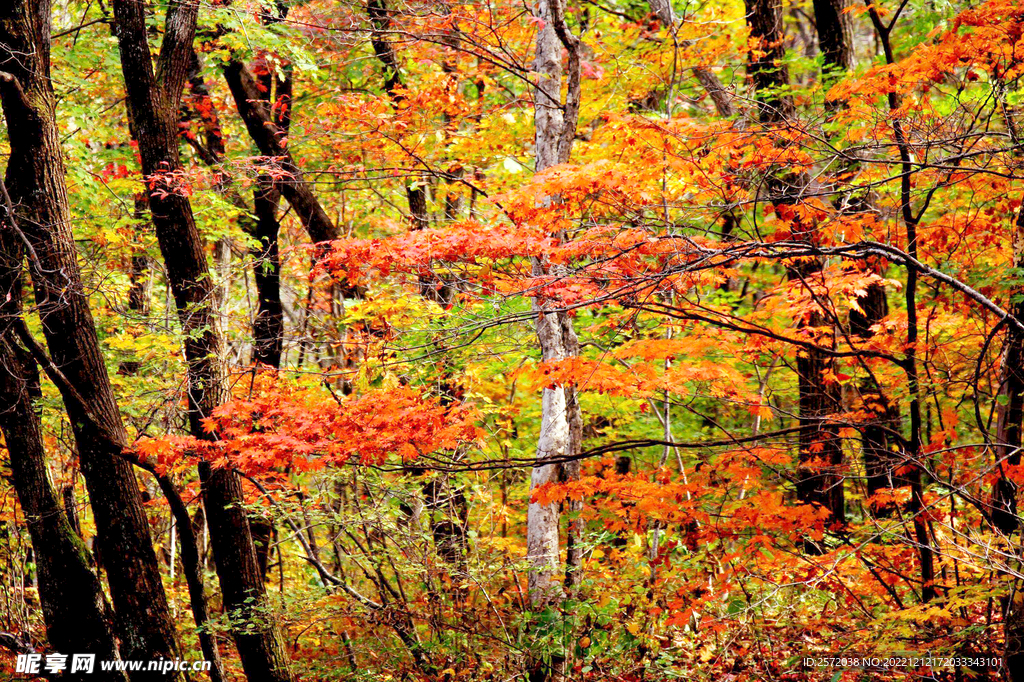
553, 443
555, 128
547, 96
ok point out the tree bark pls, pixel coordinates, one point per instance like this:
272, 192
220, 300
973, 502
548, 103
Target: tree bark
880, 460
268, 325
192, 567
835, 38
74, 607
572, 469
261, 222
270, 140
767, 70
561, 428
37, 185
819, 480
153, 100
835, 42
71, 596
1011, 410
553, 442
445, 505
1008, 444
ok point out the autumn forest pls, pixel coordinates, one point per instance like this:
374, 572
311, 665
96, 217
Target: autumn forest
441, 340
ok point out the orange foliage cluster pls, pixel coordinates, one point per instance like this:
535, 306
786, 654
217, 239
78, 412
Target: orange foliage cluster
468, 241
285, 425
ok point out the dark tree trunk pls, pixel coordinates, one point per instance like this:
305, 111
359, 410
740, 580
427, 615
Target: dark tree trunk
73, 605
767, 71
241, 580
447, 514
69, 591
380, 23
446, 506
138, 278
1011, 411
264, 226
1008, 443
819, 479
37, 186
269, 138
262, 221
268, 325
262, 535
192, 567
153, 100
138, 292
417, 197
819, 476
199, 101
706, 77
71, 508
835, 39
878, 431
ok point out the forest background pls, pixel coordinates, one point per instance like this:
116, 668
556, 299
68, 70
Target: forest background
590, 340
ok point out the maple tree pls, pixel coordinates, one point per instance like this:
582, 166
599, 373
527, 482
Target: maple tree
546, 341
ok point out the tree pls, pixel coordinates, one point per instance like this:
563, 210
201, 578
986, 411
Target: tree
35, 179
820, 480
152, 99
555, 129
657, 336
833, 24
74, 606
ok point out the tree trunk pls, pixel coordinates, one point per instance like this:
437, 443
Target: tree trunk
192, 567
262, 530
270, 140
571, 470
380, 23
553, 442
259, 643
1008, 443
1011, 408
73, 604
446, 506
835, 39
268, 325
819, 480
766, 68
261, 222
70, 593
37, 186
153, 100
880, 460
561, 427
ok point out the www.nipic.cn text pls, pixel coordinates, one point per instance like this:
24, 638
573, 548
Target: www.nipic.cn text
34, 664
